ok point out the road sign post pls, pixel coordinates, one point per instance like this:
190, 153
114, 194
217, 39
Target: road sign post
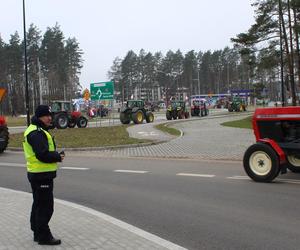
102, 91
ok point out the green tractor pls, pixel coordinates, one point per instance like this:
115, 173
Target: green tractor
177, 109
135, 110
237, 104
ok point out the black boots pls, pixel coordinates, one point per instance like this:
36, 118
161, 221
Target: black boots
50, 241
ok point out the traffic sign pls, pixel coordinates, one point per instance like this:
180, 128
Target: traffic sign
102, 91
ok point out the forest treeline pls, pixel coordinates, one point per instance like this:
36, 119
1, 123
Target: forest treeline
263, 59
54, 65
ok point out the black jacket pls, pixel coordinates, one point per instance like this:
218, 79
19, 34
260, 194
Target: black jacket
39, 142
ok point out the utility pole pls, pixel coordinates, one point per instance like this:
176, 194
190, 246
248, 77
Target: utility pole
26, 68
199, 83
40, 81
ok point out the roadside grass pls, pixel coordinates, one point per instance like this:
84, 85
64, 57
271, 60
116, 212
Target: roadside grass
164, 128
15, 121
85, 137
243, 123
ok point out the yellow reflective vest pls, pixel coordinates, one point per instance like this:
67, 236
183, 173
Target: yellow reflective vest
33, 164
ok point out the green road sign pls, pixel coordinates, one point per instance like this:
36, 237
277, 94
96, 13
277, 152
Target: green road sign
102, 91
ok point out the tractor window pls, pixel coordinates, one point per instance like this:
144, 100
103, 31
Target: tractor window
130, 104
67, 107
56, 107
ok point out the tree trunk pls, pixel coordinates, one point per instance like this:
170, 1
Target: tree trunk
290, 64
292, 56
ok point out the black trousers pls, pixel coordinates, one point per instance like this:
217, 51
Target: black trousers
42, 208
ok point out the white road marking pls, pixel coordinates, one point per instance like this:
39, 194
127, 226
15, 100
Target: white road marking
22, 165
152, 133
196, 175
74, 168
10, 164
243, 177
130, 171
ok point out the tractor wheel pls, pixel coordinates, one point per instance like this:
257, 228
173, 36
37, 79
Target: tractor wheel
175, 115
169, 115
261, 163
201, 113
82, 122
181, 115
293, 163
138, 117
149, 117
186, 115
61, 121
72, 123
124, 118
4, 137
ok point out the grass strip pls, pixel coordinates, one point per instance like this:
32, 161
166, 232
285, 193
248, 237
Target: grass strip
85, 137
243, 123
164, 128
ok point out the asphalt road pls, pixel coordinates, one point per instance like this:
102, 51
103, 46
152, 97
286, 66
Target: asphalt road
196, 204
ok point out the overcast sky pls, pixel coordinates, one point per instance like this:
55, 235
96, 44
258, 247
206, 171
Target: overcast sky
106, 29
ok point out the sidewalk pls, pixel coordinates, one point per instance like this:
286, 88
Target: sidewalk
78, 227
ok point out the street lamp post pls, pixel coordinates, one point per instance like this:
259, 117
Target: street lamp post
26, 68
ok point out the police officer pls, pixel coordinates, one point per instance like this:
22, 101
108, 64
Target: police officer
42, 157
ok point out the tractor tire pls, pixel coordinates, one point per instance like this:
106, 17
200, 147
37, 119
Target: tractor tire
169, 115
175, 115
4, 137
293, 163
149, 116
138, 117
82, 122
61, 121
181, 115
124, 118
72, 123
261, 163
201, 113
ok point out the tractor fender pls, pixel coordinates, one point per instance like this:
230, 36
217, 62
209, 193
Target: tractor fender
75, 114
277, 149
135, 109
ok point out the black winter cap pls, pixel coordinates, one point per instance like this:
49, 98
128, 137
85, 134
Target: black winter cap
42, 110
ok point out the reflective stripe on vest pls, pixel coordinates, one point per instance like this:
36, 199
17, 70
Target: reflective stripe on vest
33, 164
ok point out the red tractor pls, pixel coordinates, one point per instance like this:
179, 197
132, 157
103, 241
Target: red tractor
4, 135
63, 116
277, 147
